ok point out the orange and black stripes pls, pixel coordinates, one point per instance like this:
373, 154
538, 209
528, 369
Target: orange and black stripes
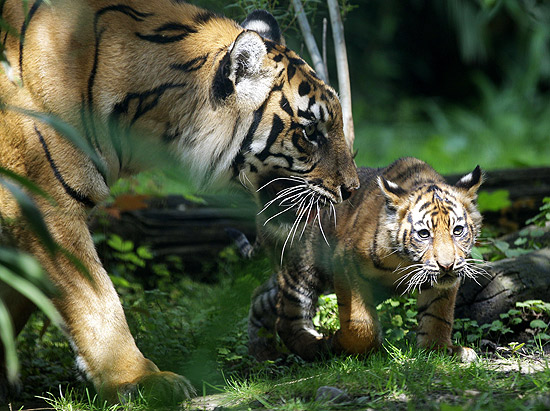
405, 229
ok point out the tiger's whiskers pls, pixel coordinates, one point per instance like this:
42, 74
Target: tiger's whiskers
304, 201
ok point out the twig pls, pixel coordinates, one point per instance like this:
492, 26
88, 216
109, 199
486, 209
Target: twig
344, 87
325, 23
311, 45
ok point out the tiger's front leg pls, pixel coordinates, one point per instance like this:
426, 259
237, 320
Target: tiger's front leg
435, 322
262, 317
94, 318
298, 294
360, 331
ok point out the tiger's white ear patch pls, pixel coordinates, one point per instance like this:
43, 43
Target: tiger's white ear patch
465, 181
252, 81
471, 182
393, 192
263, 23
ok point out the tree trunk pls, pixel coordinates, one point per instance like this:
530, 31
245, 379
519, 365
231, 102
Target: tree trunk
526, 277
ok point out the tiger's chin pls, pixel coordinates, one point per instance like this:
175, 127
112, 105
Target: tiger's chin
293, 201
447, 280
441, 280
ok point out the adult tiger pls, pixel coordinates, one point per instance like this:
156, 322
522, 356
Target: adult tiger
227, 100
404, 229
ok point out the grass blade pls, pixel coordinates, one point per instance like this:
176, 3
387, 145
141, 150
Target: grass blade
31, 291
32, 214
7, 337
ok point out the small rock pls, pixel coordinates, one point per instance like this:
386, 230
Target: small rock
331, 394
542, 401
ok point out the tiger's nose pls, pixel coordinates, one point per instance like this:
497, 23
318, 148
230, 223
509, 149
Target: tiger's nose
445, 266
345, 193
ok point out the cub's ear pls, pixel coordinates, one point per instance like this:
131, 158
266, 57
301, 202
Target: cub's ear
247, 70
263, 23
471, 182
394, 194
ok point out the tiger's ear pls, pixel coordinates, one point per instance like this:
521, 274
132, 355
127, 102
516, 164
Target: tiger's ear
263, 23
471, 182
394, 194
247, 70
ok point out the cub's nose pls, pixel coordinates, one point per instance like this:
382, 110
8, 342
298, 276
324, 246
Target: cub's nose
445, 266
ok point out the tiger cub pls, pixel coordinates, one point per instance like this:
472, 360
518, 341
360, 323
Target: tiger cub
405, 229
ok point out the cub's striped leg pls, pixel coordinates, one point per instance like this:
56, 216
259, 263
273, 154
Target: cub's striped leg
435, 322
261, 321
299, 291
360, 331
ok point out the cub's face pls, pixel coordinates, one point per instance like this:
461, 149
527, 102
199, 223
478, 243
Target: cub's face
442, 234
435, 228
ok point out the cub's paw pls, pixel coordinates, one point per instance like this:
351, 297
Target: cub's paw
464, 354
264, 352
162, 387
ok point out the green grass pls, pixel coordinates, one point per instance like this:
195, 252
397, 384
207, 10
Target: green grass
408, 379
199, 330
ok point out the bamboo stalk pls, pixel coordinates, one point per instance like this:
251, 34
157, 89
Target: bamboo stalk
344, 87
311, 45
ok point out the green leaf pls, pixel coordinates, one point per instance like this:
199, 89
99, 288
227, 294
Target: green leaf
26, 183
119, 281
538, 324
32, 215
118, 244
516, 252
397, 320
502, 245
67, 131
27, 267
537, 232
7, 337
476, 254
144, 252
494, 201
32, 292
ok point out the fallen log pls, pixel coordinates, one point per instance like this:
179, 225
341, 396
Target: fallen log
526, 277
526, 189
196, 233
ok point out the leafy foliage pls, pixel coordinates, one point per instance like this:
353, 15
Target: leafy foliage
529, 321
19, 270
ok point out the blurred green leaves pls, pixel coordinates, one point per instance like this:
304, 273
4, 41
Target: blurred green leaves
20, 271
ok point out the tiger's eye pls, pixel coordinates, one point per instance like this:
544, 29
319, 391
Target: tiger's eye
458, 230
424, 233
310, 130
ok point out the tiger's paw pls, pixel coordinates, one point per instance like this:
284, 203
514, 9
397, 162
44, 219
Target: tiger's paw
464, 354
160, 388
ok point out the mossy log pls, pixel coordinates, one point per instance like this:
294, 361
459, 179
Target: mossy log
526, 277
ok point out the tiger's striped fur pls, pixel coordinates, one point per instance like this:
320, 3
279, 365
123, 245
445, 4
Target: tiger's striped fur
129, 76
405, 229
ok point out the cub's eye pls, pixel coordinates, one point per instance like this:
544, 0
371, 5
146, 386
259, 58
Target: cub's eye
424, 233
310, 131
458, 230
